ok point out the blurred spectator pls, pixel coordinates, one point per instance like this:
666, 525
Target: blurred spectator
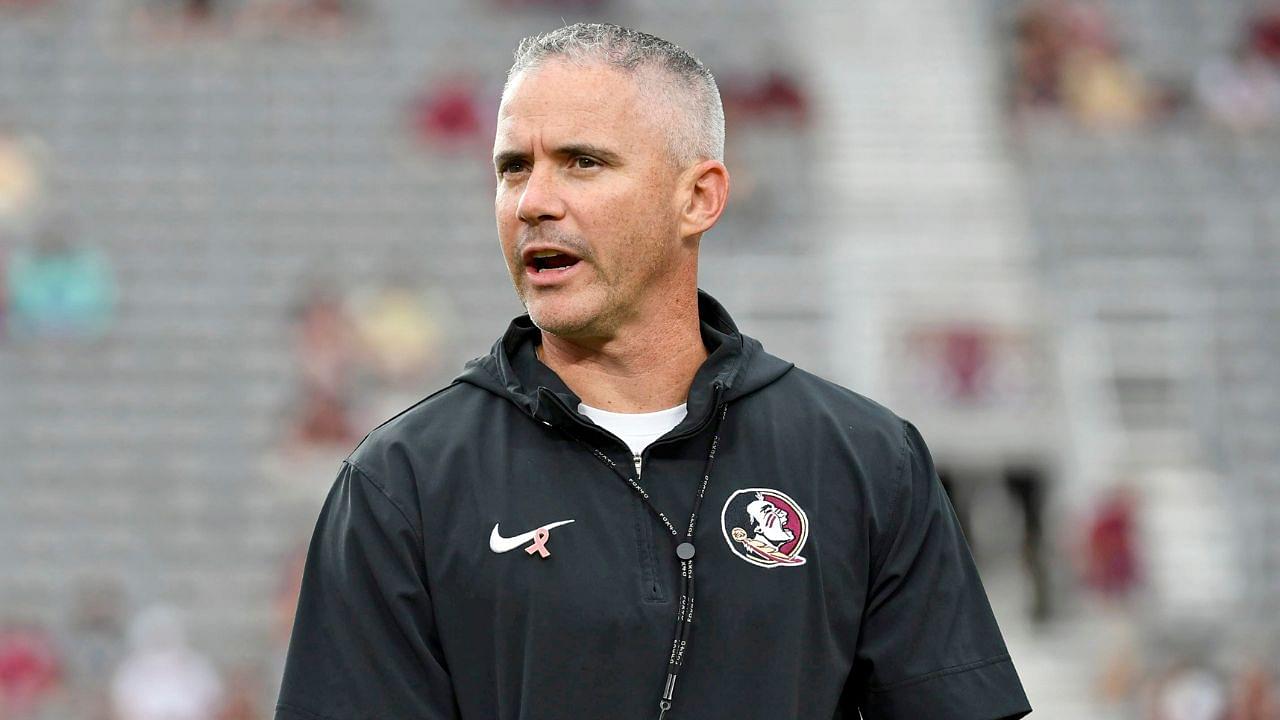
1253, 694
328, 354
1263, 33
1039, 45
326, 349
1111, 558
965, 357
20, 161
375, 344
400, 335
1098, 87
30, 671
773, 97
1066, 57
95, 646
1119, 668
58, 288
240, 702
971, 364
447, 115
1188, 691
163, 678
1101, 91
1241, 92
325, 421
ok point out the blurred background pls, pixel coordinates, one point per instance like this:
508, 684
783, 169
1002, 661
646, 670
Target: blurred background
235, 235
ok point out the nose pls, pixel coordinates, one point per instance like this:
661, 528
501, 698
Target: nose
540, 201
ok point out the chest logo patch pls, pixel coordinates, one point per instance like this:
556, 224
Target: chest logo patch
765, 527
537, 539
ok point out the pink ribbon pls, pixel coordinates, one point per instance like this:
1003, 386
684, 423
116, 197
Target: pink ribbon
539, 543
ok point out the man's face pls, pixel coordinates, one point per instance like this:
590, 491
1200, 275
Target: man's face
585, 203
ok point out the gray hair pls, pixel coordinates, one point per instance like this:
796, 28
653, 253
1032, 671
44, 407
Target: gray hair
683, 79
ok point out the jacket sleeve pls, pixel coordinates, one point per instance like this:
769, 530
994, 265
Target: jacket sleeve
929, 645
364, 642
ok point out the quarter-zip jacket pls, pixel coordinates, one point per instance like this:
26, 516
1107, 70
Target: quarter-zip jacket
832, 576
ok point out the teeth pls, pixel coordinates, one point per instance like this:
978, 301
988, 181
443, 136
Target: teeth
545, 253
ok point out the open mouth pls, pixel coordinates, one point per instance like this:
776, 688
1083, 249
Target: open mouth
545, 261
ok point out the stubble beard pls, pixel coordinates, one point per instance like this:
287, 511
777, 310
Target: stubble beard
594, 310
603, 304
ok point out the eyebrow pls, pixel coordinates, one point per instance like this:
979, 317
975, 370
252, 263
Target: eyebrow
573, 150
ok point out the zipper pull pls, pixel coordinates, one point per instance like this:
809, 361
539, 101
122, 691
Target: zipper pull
636, 458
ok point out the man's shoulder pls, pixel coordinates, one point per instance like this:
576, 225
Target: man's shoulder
388, 450
808, 411
816, 398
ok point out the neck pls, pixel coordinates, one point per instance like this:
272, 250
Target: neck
643, 369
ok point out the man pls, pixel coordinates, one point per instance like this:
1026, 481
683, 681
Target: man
524, 543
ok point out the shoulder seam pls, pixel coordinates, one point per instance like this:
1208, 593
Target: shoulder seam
388, 421
900, 492
940, 673
367, 476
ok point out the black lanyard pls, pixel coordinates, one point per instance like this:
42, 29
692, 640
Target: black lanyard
685, 553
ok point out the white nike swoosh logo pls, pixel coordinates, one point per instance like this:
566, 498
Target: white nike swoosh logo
500, 544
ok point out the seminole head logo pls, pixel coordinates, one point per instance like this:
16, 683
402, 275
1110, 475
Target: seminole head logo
764, 527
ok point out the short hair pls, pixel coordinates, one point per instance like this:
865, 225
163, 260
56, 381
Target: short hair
680, 76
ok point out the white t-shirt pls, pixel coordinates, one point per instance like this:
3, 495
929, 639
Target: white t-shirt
637, 430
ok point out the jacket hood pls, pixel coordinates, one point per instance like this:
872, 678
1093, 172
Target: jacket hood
735, 366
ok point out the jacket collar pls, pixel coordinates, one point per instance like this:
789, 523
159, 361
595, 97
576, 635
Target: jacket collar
736, 365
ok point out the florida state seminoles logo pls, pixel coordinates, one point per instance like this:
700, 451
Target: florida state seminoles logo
764, 527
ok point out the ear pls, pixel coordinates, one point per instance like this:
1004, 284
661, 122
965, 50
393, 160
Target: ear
704, 190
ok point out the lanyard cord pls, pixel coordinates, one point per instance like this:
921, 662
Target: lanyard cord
684, 551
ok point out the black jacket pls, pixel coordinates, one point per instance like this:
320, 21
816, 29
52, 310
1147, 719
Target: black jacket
831, 575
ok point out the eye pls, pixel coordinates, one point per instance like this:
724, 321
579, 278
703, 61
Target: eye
583, 162
511, 166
